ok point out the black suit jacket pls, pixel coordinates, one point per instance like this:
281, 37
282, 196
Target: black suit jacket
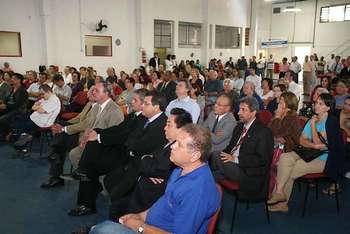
146, 140
141, 141
255, 157
345, 73
117, 135
152, 62
168, 91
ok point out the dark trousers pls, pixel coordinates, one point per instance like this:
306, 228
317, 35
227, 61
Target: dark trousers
96, 161
295, 77
223, 170
143, 196
119, 183
60, 145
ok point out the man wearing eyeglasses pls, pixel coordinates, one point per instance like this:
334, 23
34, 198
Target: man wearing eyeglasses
221, 123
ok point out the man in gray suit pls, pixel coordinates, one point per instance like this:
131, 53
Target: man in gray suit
106, 113
221, 123
5, 87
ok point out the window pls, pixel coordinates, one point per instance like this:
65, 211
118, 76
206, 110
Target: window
162, 34
227, 37
10, 44
336, 13
189, 34
246, 36
98, 45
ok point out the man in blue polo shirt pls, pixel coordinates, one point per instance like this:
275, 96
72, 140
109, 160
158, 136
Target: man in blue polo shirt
191, 197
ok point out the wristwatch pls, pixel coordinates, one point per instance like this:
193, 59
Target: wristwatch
141, 228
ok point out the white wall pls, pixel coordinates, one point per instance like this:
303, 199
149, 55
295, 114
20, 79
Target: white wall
298, 28
26, 20
53, 30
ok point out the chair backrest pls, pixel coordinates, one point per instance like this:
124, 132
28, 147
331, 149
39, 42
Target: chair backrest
81, 98
214, 219
265, 117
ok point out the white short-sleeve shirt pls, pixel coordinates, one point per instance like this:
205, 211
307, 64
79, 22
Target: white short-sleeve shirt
52, 107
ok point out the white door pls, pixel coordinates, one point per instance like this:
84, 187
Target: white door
301, 52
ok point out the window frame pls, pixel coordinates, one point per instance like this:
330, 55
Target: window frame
189, 25
238, 37
161, 35
104, 36
346, 5
19, 44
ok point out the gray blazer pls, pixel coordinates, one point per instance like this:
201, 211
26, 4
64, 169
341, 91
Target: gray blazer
5, 90
225, 124
110, 116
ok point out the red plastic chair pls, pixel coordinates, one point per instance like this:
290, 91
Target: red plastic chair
233, 187
214, 219
81, 98
265, 117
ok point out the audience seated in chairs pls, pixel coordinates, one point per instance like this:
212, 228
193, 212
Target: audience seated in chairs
212, 88
145, 139
34, 90
221, 123
344, 119
5, 87
291, 166
107, 114
248, 90
229, 89
184, 101
247, 158
278, 89
155, 170
341, 92
62, 90
285, 124
266, 93
14, 106
125, 98
167, 87
45, 112
185, 207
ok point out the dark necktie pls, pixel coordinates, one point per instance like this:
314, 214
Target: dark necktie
146, 124
215, 124
241, 139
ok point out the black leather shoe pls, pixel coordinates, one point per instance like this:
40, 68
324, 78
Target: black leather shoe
81, 211
53, 182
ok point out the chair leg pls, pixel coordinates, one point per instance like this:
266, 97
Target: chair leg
305, 199
247, 205
41, 143
336, 196
234, 213
267, 212
316, 190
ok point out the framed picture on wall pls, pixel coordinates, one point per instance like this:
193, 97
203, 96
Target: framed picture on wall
10, 44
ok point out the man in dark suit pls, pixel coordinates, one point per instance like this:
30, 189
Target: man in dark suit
154, 62
143, 140
345, 72
154, 171
248, 157
167, 87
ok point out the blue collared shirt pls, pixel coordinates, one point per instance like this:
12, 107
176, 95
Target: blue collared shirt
187, 104
188, 203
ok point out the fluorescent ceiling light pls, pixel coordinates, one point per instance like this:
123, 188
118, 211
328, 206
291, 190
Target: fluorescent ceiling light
291, 9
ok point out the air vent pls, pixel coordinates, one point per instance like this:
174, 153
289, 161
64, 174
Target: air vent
276, 10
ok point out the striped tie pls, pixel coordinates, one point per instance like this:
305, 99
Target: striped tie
241, 139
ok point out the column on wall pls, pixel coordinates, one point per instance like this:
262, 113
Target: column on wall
49, 30
205, 33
